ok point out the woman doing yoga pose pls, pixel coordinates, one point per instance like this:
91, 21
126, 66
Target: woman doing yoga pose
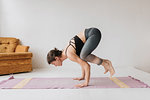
79, 50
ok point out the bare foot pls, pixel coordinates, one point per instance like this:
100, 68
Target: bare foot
111, 69
108, 67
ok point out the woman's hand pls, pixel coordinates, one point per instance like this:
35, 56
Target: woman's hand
85, 66
79, 79
81, 85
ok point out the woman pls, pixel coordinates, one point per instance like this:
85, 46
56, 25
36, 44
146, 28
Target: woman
79, 50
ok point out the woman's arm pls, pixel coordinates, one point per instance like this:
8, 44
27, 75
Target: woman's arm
85, 68
82, 77
83, 73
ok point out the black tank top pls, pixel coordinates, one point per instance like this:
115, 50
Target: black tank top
78, 45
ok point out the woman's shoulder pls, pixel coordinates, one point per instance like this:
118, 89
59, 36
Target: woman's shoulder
73, 56
69, 49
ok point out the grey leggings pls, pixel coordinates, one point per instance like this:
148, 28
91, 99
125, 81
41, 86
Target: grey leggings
93, 37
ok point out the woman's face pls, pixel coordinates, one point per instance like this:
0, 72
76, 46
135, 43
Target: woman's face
57, 62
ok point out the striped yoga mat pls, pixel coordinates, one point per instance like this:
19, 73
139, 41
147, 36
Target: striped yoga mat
69, 83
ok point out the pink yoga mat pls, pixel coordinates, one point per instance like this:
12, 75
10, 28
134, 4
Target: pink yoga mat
69, 83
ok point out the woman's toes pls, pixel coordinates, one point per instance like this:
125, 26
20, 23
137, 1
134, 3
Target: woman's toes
112, 71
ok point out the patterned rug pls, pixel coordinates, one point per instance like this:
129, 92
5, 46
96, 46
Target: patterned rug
69, 83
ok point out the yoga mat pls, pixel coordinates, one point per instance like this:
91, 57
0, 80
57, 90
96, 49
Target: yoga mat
69, 83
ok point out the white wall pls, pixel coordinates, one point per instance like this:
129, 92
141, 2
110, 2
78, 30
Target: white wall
44, 24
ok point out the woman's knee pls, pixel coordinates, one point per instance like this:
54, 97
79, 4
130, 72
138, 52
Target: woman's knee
83, 57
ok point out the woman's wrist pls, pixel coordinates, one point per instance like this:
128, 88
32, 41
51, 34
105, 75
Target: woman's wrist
86, 83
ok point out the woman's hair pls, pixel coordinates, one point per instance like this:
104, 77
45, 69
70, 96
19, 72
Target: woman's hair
52, 54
